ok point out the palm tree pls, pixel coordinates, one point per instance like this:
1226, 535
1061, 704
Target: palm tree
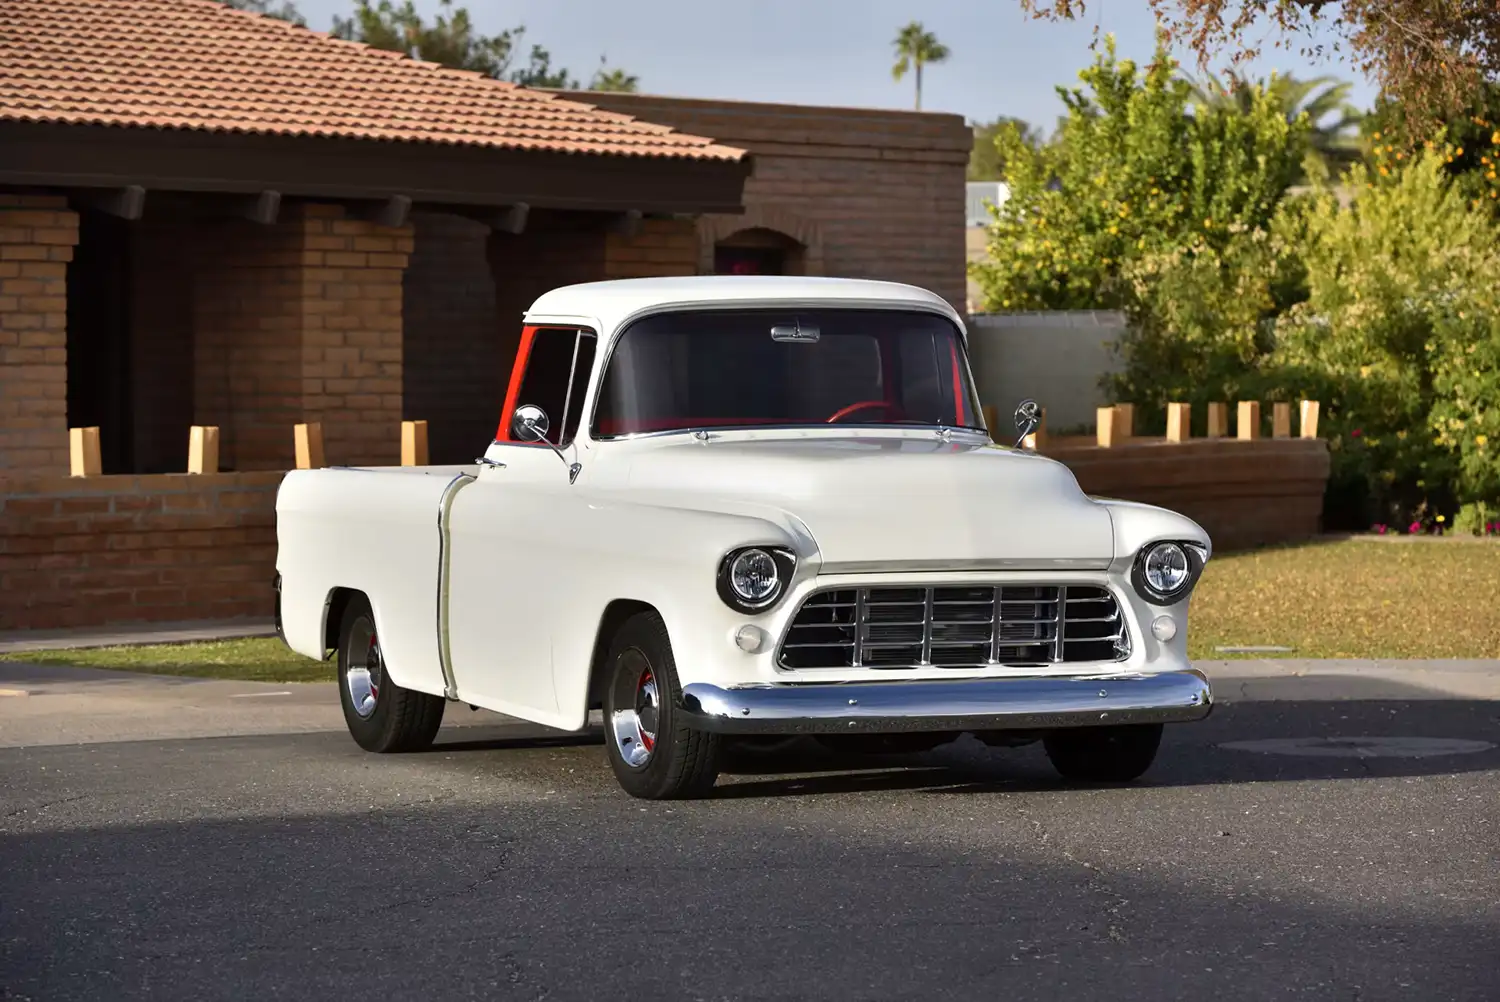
1333, 143
916, 47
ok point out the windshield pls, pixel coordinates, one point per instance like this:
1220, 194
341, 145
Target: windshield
778, 367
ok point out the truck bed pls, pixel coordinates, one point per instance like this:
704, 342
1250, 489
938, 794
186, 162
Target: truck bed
370, 529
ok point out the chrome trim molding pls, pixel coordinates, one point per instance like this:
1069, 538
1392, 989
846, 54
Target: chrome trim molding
601, 364
445, 560
958, 705
978, 565
904, 626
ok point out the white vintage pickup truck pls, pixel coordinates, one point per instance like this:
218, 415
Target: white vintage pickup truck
746, 509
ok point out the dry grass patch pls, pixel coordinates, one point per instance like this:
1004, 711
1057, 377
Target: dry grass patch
1353, 598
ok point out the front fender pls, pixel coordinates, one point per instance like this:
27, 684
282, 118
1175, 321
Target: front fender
666, 557
1137, 524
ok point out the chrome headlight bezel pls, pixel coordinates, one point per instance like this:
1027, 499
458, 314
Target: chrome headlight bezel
786, 565
1196, 554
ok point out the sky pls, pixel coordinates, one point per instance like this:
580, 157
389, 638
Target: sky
837, 52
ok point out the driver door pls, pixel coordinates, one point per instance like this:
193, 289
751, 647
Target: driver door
507, 566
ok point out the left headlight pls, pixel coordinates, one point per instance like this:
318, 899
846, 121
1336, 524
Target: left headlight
1165, 572
754, 578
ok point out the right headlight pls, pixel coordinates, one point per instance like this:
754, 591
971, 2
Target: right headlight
753, 578
1165, 572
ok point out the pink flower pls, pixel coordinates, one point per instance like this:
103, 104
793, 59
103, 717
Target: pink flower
1355, 433
1414, 528
1380, 529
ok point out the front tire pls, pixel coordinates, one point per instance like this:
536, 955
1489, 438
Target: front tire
653, 755
381, 715
1116, 754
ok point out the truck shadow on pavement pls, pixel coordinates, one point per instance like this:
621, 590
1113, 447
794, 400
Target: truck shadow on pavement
1191, 754
1333, 736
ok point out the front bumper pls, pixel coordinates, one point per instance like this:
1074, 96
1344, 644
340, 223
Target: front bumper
959, 705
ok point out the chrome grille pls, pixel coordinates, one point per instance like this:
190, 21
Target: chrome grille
959, 626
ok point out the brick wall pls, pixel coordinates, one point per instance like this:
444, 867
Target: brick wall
37, 235
872, 194
300, 321
100, 550
660, 248
1244, 494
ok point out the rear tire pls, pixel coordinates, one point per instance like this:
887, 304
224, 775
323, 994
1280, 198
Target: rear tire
381, 715
653, 755
1116, 754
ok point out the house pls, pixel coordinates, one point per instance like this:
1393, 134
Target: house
213, 218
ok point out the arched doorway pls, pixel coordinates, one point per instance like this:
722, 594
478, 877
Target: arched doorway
758, 251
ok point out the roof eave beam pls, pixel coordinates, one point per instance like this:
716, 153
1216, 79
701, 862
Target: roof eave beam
264, 208
393, 212
127, 203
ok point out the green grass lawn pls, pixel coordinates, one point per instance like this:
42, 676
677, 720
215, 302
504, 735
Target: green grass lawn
251, 659
1353, 598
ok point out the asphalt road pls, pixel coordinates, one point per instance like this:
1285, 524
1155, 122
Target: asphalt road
506, 863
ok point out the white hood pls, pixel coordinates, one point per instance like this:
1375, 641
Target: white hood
893, 503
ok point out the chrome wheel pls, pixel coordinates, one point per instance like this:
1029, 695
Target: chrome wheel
364, 670
633, 725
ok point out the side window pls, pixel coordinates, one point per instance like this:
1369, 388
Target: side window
556, 378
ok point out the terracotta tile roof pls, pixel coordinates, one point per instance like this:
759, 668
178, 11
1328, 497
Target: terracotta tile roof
197, 64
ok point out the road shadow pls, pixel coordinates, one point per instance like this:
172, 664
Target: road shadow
532, 901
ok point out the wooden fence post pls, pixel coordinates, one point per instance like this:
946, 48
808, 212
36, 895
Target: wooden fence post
1309, 419
1108, 430
309, 442
414, 443
1248, 426
1125, 421
1281, 419
83, 452
1179, 422
203, 449
1218, 420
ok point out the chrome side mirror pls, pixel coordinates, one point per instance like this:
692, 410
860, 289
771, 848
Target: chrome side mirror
529, 423
1028, 417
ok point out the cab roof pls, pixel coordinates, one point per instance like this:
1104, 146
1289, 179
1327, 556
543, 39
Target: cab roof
613, 302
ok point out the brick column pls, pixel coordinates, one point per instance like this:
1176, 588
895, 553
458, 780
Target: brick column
352, 334
37, 236
301, 321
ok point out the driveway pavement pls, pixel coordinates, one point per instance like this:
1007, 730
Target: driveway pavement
1331, 832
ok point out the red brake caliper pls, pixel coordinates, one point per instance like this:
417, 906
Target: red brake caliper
647, 739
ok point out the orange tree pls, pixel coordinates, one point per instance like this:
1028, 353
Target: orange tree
1149, 203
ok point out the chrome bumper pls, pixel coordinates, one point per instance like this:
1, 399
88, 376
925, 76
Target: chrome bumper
957, 705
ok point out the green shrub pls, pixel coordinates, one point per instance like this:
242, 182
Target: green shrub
1397, 306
